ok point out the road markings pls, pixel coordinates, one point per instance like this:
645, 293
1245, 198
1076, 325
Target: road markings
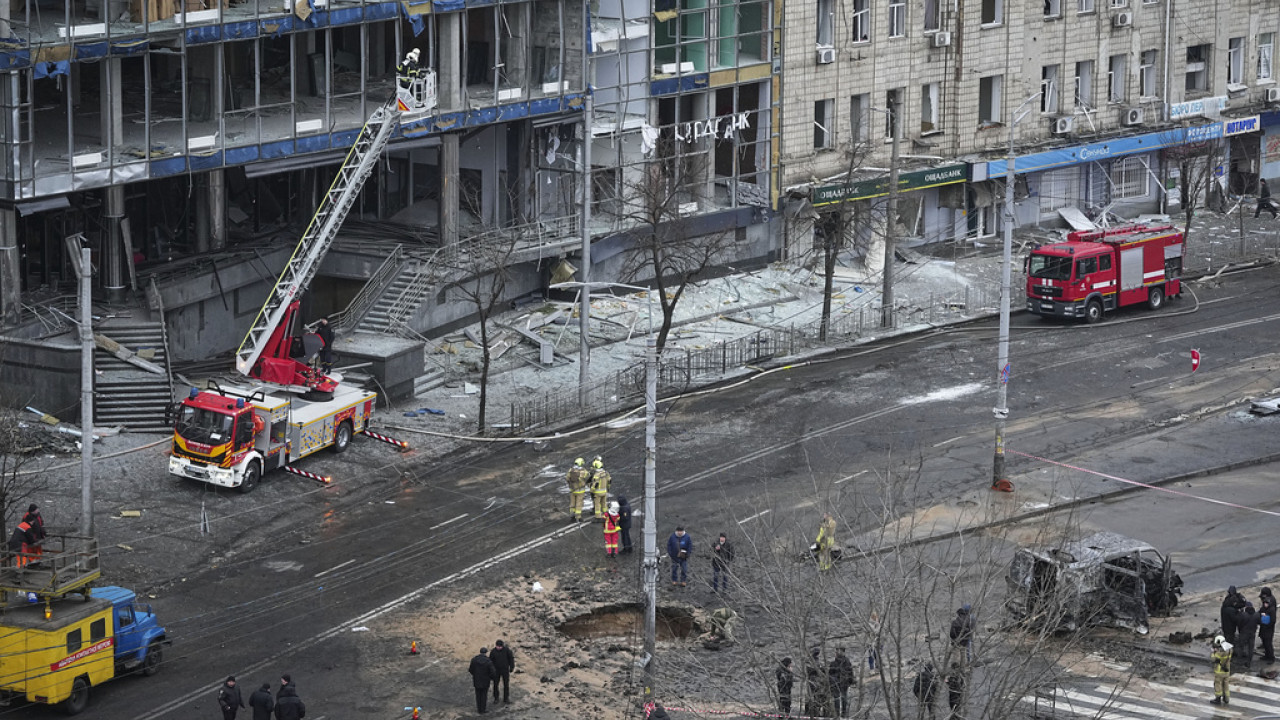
335, 567
948, 442
850, 477
753, 517
450, 520
277, 659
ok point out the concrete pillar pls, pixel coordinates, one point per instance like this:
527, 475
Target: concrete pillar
114, 271
10, 271
451, 52
113, 261
217, 201
449, 189
201, 202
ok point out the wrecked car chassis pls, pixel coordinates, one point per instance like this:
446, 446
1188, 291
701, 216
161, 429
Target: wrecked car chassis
1104, 579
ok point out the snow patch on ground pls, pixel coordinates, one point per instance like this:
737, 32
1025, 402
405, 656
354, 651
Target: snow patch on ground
942, 395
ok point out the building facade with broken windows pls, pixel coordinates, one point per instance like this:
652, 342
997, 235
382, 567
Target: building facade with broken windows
188, 142
1107, 103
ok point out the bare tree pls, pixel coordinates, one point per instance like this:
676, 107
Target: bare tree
888, 604
20, 450
667, 246
1198, 184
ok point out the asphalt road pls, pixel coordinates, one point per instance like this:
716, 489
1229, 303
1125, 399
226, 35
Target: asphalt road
293, 574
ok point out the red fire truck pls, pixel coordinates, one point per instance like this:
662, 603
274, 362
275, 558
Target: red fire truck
1095, 271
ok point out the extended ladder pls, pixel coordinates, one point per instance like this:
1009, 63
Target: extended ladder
315, 242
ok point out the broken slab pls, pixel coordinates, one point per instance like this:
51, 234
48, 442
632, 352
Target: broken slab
126, 354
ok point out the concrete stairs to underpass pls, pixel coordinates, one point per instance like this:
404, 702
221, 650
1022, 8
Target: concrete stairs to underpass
377, 320
125, 394
431, 379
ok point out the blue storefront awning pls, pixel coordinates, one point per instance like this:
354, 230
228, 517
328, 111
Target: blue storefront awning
1105, 150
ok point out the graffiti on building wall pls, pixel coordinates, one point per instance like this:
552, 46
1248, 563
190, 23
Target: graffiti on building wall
1272, 152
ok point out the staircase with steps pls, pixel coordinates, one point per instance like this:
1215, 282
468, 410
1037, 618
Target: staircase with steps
377, 320
127, 395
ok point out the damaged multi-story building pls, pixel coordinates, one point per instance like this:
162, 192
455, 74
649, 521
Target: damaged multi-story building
188, 143
1106, 105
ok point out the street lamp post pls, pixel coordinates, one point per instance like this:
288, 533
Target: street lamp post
999, 477
891, 209
650, 562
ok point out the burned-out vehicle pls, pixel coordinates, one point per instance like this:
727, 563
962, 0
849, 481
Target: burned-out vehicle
1103, 579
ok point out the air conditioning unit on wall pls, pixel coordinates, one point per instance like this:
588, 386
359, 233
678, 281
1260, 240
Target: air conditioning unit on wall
1120, 20
826, 54
941, 39
1273, 95
1133, 116
1063, 125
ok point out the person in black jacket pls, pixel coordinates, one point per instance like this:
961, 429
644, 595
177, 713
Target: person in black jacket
1264, 200
229, 699
288, 705
925, 688
504, 662
262, 702
1267, 624
721, 557
624, 523
1246, 637
1230, 614
326, 353
955, 691
840, 676
36, 522
786, 681
482, 672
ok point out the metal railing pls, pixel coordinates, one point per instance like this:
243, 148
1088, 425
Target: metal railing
347, 318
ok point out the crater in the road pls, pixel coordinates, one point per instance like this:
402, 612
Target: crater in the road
627, 620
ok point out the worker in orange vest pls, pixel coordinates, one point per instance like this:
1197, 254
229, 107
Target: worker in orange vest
22, 543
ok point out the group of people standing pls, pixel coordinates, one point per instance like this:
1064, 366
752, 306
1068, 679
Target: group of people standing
827, 691
1243, 625
615, 514
286, 704
492, 667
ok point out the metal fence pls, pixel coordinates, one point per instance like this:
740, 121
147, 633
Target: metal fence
681, 369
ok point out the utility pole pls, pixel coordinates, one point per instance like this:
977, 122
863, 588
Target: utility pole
650, 510
584, 305
85, 267
886, 297
999, 477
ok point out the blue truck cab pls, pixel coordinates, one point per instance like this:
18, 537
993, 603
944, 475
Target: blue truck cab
140, 639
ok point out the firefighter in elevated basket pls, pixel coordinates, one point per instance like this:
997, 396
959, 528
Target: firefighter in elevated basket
577, 480
599, 487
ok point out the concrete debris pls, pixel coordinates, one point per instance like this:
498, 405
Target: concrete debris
130, 513
1267, 406
126, 354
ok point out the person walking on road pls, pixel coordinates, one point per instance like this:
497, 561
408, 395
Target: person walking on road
229, 699
786, 681
1267, 624
599, 487
577, 479
624, 523
679, 548
826, 542
925, 688
262, 703
611, 531
840, 675
1264, 200
722, 556
1220, 658
504, 663
288, 705
482, 673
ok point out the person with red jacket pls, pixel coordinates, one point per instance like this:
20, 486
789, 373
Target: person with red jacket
612, 531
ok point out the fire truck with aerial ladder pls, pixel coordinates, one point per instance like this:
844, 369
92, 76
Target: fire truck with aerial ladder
230, 436
1096, 271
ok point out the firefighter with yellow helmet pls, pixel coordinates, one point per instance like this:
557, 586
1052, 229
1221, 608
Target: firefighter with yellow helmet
577, 480
599, 487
